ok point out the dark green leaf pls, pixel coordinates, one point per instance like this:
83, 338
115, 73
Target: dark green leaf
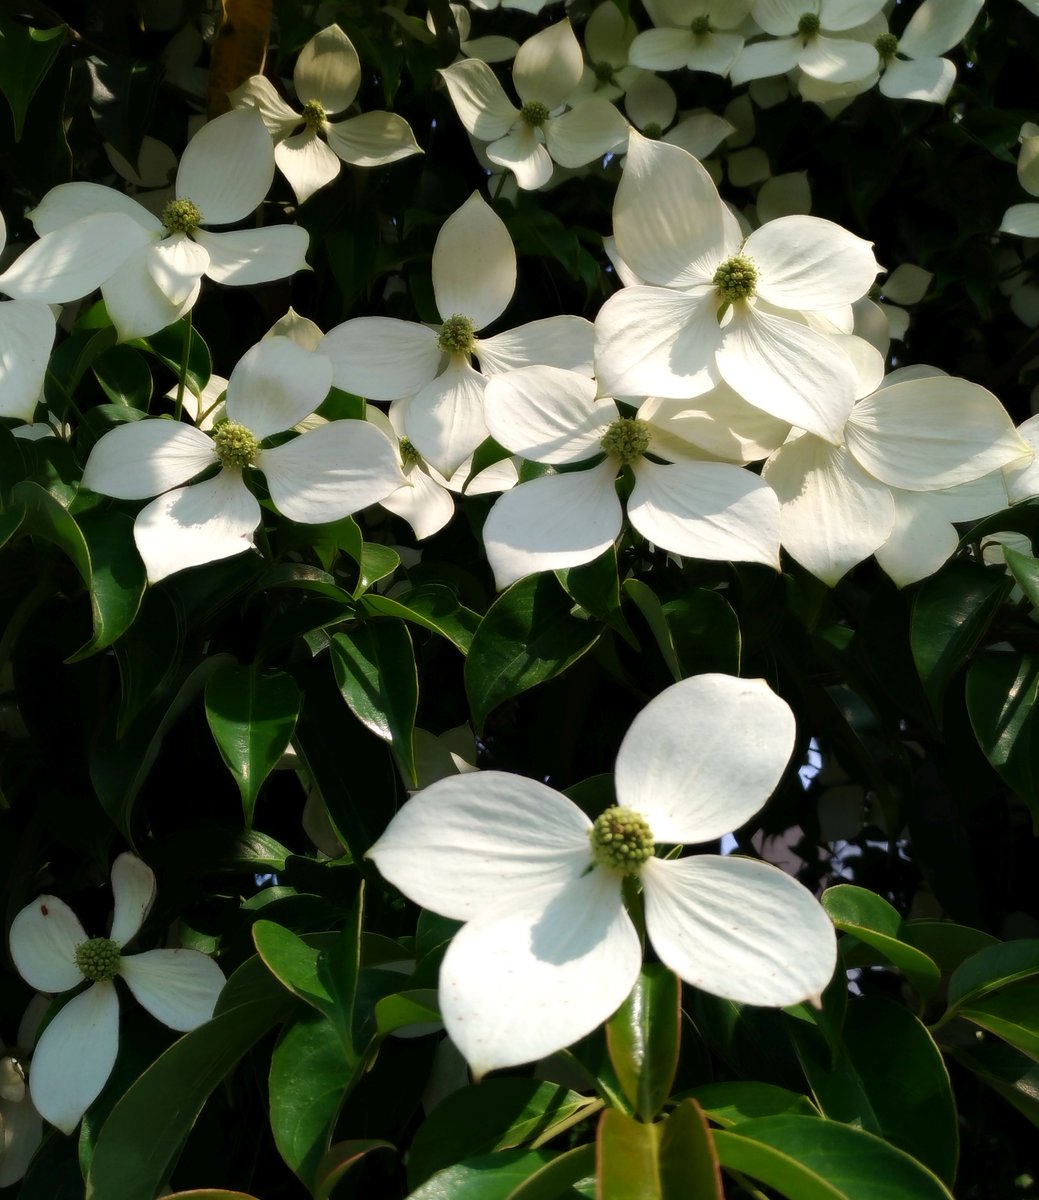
732, 1103
338, 1160
26, 55
168, 347
124, 376
433, 606
123, 100
994, 967
486, 1177
596, 587
1012, 1014
643, 1039
554, 1180
1002, 689
117, 578
873, 921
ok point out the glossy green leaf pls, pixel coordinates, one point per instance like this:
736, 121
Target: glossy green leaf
1025, 570
643, 1039
873, 921
555, 1179
117, 578
252, 715
416, 1007
945, 942
375, 669
496, 1114
648, 603
339, 1159
705, 633
293, 962
673, 1159
432, 606
740, 1100
376, 562
124, 376
123, 99
994, 967
1012, 1014
26, 55
951, 615
1002, 691
805, 1158
529, 635
168, 347
1013, 1075
485, 1177
596, 587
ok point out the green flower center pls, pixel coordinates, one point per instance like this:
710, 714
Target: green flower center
98, 959
809, 25
235, 445
408, 454
626, 440
621, 839
314, 114
457, 335
181, 216
534, 113
603, 73
701, 26
886, 46
652, 131
736, 279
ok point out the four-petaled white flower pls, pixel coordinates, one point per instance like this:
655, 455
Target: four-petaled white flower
322, 475
26, 337
149, 268
697, 34
327, 78
50, 948
548, 950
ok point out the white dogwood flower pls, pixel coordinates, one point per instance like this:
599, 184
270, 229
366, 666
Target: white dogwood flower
548, 950
76, 1052
697, 34
26, 337
322, 475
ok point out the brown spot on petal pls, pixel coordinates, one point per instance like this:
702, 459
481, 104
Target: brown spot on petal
45, 910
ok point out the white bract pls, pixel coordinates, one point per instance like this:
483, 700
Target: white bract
699, 509
327, 78
548, 950
722, 307
474, 277
20, 1125
697, 34
322, 475
1019, 219
76, 1052
913, 66
26, 337
527, 140
149, 268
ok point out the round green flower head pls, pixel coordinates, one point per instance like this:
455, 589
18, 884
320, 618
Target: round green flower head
886, 46
98, 959
534, 113
701, 26
181, 216
621, 839
457, 335
408, 454
603, 73
736, 279
236, 446
809, 24
626, 440
653, 131
314, 114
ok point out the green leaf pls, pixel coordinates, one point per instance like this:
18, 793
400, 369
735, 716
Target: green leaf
1011, 1074
117, 577
375, 669
485, 1177
208, 1194
805, 1158
951, 615
416, 1007
252, 714
26, 55
643, 1039
890, 1079
1012, 1015
497, 1114
947, 943
732, 1103
994, 967
1025, 570
596, 587
433, 606
649, 605
293, 962
673, 1159
376, 562
1002, 690
557, 1178
124, 376
528, 636
157, 1113
168, 347
705, 633
338, 1160
873, 921
123, 100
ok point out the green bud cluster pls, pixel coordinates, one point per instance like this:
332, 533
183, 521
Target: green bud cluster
457, 335
809, 25
621, 839
603, 73
626, 440
181, 216
408, 454
652, 131
534, 113
700, 26
736, 279
236, 446
98, 959
886, 46
314, 114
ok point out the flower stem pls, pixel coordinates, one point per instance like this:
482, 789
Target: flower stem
184, 359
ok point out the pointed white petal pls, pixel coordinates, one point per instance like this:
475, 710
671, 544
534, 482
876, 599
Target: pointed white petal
307, 163
227, 167
715, 53
585, 133
548, 65
243, 256
178, 987
928, 79
176, 264
660, 50
564, 341
424, 504
75, 1056
703, 756
779, 17
1022, 220
833, 515
258, 92
328, 473
70, 202
380, 357
445, 419
761, 60
469, 842
700, 134
199, 524
608, 35
932, 433
656, 342
784, 196
527, 980
75, 259
937, 26
788, 370
143, 458
839, 15
837, 60
525, 155
547, 415
133, 886
670, 225
650, 100
740, 929
328, 70
706, 510
472, 234
922, 539
26, 337
372, 139
719, 424
136, 304
479, 99
490, 49
275, 385
806, 263
302, 330
43, 941
552, 522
